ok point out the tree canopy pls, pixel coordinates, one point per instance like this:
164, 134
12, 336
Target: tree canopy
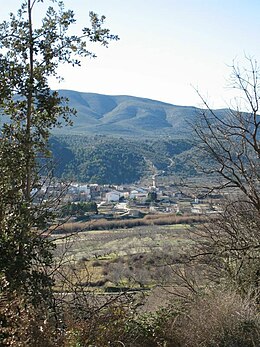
29, 55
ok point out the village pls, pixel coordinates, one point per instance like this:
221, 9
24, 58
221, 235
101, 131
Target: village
134, 200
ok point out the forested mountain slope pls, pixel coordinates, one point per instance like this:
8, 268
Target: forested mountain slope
120, 139
118, 160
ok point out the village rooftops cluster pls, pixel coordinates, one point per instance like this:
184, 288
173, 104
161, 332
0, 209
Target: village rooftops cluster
134, 199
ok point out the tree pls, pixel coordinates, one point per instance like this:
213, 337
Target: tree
79, 209
152, 196
230, 244
29, 55
232, 141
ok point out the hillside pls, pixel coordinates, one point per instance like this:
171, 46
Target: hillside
126, 115
116, 160
99, 114
121, 139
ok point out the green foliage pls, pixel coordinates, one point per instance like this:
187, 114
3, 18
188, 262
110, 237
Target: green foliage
107, 329
152, 196
215, 319
23, 324
103, 160
152, 329
29, 55
25, 254
113, 160
79, 209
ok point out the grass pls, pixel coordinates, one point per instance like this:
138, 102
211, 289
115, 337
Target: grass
149, 220
180, 227
120, 255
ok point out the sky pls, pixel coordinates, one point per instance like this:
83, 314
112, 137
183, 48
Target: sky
167, 48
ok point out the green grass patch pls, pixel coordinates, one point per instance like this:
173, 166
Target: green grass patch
180, 227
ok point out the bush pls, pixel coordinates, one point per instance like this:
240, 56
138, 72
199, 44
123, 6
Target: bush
221, 319
216, 319
24, 325
154, 329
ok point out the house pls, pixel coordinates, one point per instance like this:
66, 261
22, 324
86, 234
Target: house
113, 196
123, 206
200, 208
84, 188
138, 194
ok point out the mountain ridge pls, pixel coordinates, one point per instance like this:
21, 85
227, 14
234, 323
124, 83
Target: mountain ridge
114, 137
123, 114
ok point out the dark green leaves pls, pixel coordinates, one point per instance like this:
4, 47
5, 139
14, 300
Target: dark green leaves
29, 55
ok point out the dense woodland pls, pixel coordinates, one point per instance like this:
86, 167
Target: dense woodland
118, 160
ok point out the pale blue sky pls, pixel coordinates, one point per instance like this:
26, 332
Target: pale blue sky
166, 47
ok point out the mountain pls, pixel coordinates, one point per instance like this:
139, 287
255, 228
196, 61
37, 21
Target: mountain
126, 115
121, 139
119, 160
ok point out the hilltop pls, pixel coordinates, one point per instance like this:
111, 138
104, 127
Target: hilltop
127, 115
121, 139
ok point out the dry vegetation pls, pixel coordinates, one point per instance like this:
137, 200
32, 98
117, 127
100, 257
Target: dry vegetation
218, 319
122, 257
104, 224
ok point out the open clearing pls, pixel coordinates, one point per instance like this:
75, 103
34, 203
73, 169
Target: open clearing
120, 257
121, 242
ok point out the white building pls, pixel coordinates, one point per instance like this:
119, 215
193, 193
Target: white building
113, 196
84, 188
138, 194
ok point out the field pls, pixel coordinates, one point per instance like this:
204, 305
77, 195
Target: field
108, 260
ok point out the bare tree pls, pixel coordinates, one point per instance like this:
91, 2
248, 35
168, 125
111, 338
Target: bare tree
230, 141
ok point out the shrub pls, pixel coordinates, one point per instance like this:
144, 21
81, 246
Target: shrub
221, 319
24, 325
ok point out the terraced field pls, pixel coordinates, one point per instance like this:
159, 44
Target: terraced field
132, 257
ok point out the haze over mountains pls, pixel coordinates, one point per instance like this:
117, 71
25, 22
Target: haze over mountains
127, 115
